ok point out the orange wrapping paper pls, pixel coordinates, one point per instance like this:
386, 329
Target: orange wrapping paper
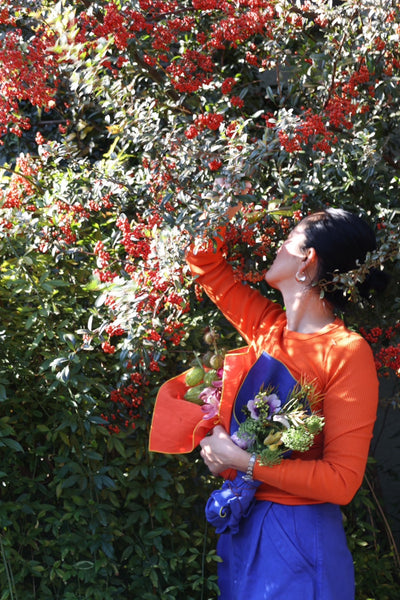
178, 425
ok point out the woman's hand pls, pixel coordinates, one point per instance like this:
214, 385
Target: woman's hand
222, 183
220, 453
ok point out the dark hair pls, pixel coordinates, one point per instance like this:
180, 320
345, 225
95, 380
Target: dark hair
341, 241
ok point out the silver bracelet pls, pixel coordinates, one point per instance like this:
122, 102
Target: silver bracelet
250, 468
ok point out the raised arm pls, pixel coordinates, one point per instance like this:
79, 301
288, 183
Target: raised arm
241, 304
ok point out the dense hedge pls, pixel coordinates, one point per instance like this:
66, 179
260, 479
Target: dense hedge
117, 121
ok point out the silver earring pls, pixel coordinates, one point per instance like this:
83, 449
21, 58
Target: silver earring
300, 278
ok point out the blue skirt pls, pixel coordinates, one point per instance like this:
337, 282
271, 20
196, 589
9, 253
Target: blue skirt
286, 552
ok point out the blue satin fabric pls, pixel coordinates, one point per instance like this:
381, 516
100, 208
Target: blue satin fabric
227, 506
285, 552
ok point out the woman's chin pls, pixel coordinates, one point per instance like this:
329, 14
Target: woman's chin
269, 279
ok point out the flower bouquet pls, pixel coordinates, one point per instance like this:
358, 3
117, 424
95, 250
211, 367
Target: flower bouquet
273, 429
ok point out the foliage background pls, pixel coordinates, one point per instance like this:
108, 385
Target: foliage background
116, 122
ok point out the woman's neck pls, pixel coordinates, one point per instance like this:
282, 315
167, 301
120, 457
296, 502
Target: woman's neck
306, 312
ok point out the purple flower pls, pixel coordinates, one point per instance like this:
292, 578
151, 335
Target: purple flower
217, 384
210, 411
211, 396
274, 403
254, 412
243, 441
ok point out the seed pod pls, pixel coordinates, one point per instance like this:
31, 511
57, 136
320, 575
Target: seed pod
206, 358
210, 376
210, 337
216, 361
193, 393
194, 376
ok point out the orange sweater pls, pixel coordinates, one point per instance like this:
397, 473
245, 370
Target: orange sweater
339, 361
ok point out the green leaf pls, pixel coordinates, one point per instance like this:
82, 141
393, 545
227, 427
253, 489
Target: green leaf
13, 444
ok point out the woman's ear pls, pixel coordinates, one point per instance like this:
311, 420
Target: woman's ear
311, 256
312, 264
309, 265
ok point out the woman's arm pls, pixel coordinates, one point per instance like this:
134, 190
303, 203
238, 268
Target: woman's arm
245, 307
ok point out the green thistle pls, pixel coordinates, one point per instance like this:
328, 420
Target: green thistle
314, 424
298, 439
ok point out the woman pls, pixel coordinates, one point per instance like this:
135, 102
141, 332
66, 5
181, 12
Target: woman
292, 546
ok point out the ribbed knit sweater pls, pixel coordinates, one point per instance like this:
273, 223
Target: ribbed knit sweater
338, 361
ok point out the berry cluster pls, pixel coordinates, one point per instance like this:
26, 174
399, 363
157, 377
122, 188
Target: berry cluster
126, 401
26, 74
386, 353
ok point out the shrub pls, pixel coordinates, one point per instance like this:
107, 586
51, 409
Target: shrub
117, 123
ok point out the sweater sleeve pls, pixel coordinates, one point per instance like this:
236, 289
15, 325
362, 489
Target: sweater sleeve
245, 307
349, 406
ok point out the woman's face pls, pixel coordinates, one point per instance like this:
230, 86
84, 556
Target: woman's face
288, 259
